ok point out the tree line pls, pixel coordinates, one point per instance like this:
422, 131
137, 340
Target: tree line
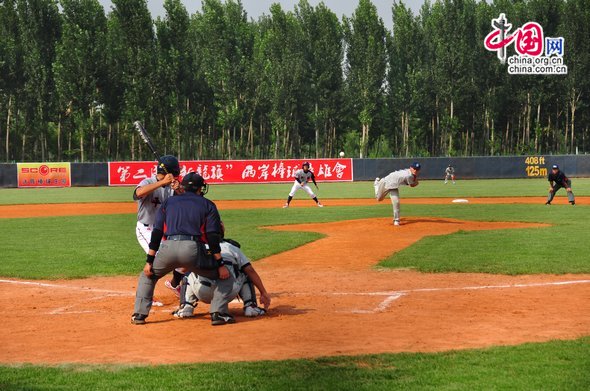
294, 83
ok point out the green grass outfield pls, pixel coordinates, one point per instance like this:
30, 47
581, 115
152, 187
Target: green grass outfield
81, 246
558, 365
463, 189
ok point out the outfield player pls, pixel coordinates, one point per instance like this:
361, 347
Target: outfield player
149, 195
302, 178
557, 179
245, 278
391, 183
450, 174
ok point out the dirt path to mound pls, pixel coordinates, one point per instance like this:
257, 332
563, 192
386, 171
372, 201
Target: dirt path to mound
46, 210
327, 300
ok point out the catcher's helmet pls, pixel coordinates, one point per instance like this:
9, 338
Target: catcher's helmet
192, 182
168, 164
305, 164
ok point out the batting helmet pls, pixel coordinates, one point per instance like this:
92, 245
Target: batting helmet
168, 164
192, 182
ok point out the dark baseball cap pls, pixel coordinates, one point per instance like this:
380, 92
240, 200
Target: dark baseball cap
555, 167
416, 166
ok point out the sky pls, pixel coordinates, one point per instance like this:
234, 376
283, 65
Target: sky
256, 8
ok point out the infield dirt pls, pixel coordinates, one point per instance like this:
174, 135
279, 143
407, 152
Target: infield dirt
46, 210
328, 299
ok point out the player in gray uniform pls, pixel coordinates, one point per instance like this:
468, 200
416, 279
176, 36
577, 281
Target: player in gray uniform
149, 195
391, 183
302, 178
450, 174
199, 288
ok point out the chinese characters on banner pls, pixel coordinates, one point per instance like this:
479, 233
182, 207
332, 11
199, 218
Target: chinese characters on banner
235, 171
43, 174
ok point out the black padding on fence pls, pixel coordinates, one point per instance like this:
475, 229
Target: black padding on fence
90, 174
8, 175
477, 167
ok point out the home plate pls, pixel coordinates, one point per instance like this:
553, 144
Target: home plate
460, 201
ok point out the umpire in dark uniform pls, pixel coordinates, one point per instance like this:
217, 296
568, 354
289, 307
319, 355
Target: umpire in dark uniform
187, 221
557, 179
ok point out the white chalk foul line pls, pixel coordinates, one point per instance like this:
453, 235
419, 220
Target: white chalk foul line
67, 287
382, 307
391, 296
68, 309
463, 288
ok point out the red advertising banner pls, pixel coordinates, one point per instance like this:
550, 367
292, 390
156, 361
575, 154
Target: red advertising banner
43, 174
236, 171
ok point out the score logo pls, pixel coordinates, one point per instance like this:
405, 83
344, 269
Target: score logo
43, 170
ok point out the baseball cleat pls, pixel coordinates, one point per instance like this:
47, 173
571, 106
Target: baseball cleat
176, 290
157, 303
253, 311
138, 319
573, 203
548, 203
185, 311
219, 319
396, 223
320, 205
285, 206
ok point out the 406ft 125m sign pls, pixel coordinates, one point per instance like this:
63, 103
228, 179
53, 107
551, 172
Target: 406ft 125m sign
534, 166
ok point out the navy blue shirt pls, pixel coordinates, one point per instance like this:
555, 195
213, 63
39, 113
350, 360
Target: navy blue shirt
559, 178
188, 214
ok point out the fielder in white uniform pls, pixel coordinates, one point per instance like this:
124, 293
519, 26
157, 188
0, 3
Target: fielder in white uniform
391, 183
450, 174
302, 178
198, 288
149, 195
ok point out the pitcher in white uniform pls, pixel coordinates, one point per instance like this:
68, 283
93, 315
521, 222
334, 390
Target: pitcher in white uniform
391, 183
302, 178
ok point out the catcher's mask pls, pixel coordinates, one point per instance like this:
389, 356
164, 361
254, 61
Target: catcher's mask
193, 182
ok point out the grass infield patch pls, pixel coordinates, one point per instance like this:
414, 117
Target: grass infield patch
431, 188
82, 246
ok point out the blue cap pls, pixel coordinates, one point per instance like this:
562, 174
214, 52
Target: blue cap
416, 166
555, 167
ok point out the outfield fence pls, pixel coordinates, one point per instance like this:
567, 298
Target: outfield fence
497, 167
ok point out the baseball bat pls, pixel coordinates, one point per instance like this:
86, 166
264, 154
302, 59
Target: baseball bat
146, 138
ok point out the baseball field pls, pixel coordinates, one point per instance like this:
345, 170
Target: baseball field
493, 293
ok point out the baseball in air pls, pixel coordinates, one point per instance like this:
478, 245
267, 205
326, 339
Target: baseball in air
341, 153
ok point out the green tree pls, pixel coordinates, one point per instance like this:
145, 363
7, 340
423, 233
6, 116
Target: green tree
133, 22
79, 70
324, 56
366, 63
175, 81
286, 80
11, 76
226, 44
40, 27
